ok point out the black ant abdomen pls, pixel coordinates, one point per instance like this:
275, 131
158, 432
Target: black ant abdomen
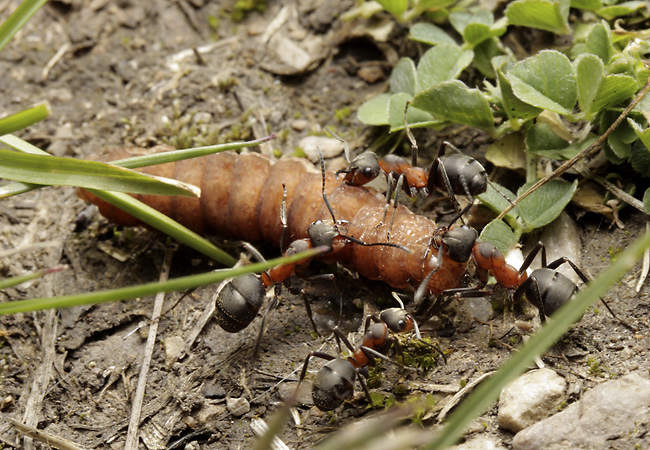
465, 175
239, 302
548, 290
333, 384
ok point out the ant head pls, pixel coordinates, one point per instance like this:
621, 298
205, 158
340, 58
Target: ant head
322, 233
366, 165
397, 320
460, 242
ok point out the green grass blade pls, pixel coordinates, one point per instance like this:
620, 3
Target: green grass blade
163, 223
53, 170
177, 155
17, 19
489, 390
13, 281
24, 118
143, 290
9, 190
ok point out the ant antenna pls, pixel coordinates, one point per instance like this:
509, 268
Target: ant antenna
346, 146
409, 134
322, 169
283, 220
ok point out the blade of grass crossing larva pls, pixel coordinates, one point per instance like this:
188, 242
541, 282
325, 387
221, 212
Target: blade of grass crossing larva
143, 290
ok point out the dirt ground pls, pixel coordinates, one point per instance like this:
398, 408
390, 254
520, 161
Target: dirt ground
182, 72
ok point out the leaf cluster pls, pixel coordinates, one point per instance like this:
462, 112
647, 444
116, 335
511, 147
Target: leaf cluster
544, 105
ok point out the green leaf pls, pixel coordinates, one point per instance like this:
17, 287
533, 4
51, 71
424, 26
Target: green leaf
591, 5
622, 9
52, 170
646, 201
641, 133
514, 108
500, 235
404, 77
599, 42
545, 204
430, 34
640, 158
455, 102
395, 7
17, 19
613, 90
484, 53
508, 152
543, 14
494, 200
541, 140
443, 62
589, 74
545, 80
24, 118
461, 19
416, 117
375, 110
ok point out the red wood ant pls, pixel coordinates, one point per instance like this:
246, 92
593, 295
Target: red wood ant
241, 299
334, 382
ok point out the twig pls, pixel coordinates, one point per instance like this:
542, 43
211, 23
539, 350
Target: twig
461, 395
567, 165
42, 436
260, 427
132, 433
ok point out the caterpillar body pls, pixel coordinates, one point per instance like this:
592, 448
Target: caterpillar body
242, 196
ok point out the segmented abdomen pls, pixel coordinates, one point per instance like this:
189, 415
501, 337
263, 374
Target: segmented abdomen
241, 199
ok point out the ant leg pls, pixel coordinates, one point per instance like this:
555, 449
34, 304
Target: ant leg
531, 257
271, 306
321, 355
538, 302
364, 386
338, 334
371, 354
419, 294
400, 181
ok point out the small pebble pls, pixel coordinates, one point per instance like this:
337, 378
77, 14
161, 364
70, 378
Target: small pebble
330, 147
299, 124
238, 406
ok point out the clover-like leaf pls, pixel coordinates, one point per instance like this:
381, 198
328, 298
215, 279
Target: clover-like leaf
646, 201
642, 133
540, 139
430, 34
586, 4
498, 198
640, 158
455, 102
622, 9
545, 204
613, 90
589, 74
404, 77
550, 15
545, 80
513, 106
599, 42
395, 7
375, 110
500, 235
442, 63
415, 117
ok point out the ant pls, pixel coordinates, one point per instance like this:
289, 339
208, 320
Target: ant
241, 299
457, 174
334, 382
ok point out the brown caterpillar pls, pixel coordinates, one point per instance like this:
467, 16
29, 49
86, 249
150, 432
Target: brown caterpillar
242, 196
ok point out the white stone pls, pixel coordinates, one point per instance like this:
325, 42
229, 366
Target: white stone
530, 398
